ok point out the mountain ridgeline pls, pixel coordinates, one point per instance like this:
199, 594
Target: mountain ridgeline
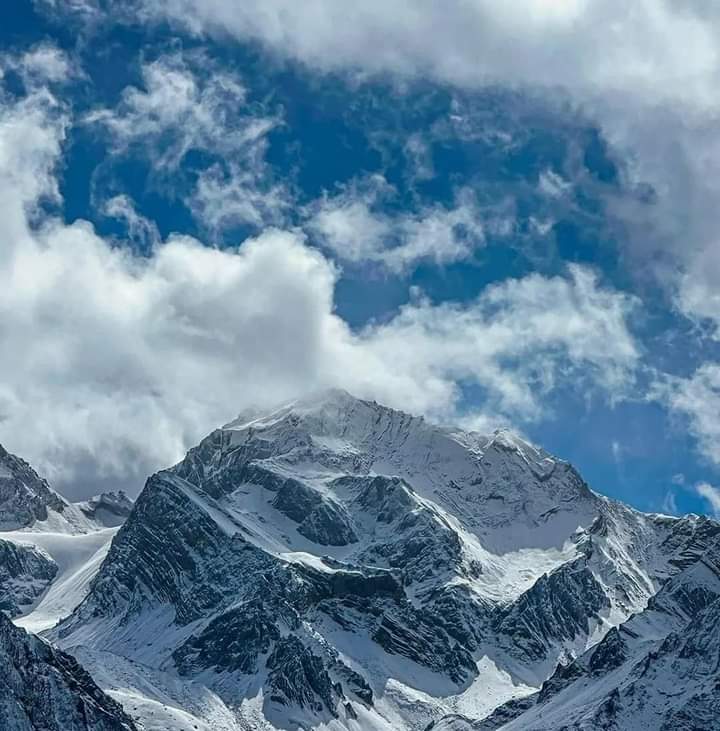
337, 564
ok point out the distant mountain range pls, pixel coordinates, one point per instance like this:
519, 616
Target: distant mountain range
336, 564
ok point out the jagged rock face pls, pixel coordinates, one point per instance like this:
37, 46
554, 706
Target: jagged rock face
25, 573
418, 638
657, 671
24, 496
335, 552
297, 677
170, 552
232, 641
688, 538
556, 609
43, 688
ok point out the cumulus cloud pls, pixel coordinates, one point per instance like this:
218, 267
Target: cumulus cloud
646, 70
114, 363
515, 340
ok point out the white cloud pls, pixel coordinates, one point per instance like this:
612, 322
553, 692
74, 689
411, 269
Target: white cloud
237, 194
646, 70
696, 399
553, 184
356, 227
41, 64
514, 340
655, 45
114, 363
711, 495
176, 112
669, 504
188, 104
140, 230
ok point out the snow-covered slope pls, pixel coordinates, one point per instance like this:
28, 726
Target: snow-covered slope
657, 671
338, 564
76, 559
28, 503
50, 548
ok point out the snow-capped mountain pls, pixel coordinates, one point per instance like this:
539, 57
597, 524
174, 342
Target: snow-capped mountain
44, 542
25, 497
108, 509
338, 564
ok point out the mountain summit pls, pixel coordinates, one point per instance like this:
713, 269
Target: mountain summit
334, 563
25, 497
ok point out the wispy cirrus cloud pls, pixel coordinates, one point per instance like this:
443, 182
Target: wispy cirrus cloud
187, 104
696, 399
355, 226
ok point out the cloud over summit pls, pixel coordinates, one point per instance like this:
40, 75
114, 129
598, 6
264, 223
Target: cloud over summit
103, 346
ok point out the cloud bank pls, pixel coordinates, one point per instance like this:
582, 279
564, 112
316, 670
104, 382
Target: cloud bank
103, 346
647, 71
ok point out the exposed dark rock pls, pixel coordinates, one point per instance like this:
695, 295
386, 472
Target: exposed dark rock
297, 677
610, 653
24, 496
328, 524
389, 499
296, 500
233, 641
404, 631
557, 608
25, 573
460, 613
44, 689
354, 683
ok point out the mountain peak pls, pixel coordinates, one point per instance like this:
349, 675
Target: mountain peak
25, 497
108, 509
331, 541
321, 401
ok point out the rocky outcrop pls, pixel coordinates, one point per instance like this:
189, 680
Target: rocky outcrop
25, 497
297, 677
557, 609
25, 573
43, 688
108, 509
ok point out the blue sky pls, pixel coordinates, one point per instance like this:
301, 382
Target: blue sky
208, 207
